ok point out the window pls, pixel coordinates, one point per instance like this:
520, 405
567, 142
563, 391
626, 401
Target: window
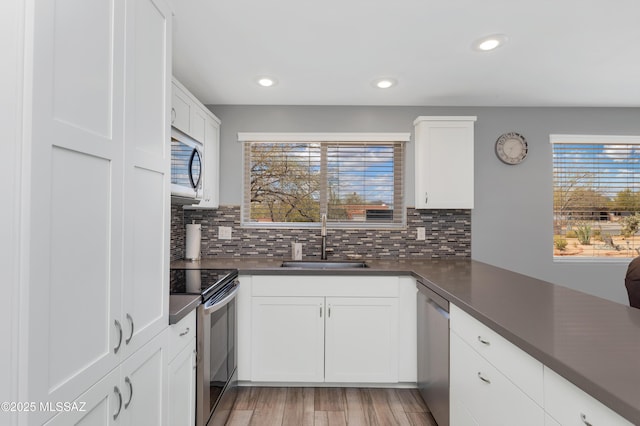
596, 196
292, 179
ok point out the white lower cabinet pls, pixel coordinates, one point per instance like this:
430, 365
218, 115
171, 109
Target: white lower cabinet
493, 382
318, 339
182, 373
550, 421
133, 394
322, 329
288, 339
569, 405
182, 387
487, 395
361, 340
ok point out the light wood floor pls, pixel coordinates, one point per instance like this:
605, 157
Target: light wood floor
329, 406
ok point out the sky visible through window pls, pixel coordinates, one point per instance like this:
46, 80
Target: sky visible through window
596, 198
350, 181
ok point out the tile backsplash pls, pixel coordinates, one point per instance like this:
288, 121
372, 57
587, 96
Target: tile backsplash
448, 234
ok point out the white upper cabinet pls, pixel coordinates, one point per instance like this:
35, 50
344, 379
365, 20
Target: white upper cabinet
180, 109
147, 173
192, 118
96, 198
444, 162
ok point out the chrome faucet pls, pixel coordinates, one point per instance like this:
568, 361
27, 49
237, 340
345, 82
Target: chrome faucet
323, 235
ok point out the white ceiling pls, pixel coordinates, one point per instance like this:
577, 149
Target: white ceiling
559, 53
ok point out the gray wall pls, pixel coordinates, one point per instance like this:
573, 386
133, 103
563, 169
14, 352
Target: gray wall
511, 222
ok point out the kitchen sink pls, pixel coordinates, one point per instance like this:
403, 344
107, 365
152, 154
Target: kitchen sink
324, 264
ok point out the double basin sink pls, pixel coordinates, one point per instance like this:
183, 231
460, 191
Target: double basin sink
323, 264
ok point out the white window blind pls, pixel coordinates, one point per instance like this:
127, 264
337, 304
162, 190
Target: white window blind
596, 195
354, 183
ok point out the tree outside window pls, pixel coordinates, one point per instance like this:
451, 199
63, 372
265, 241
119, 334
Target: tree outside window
596, 196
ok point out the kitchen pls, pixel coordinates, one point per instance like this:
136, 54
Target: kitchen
510, 201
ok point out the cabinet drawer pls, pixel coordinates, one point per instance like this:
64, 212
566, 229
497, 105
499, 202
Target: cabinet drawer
325, 285
520, 367
570, 405
488, 396
181, 334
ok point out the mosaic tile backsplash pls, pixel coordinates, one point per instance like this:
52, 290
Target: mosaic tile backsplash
448, 234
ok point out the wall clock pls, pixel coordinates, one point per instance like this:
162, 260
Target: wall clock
511, 148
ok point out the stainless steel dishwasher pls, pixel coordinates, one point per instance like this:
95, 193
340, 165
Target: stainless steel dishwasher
433, 352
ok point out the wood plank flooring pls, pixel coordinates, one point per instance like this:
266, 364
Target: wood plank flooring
261, 406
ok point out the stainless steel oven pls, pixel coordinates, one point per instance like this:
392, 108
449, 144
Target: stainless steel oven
216, 377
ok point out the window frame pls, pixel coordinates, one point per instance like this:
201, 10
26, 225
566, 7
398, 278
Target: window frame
583, 139
307, 137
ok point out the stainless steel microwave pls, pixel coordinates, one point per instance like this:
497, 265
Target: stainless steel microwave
187, 168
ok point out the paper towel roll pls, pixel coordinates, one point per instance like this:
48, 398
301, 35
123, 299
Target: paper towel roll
192, 245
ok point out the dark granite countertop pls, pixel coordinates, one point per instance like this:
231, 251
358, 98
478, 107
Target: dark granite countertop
592, 342
180, 305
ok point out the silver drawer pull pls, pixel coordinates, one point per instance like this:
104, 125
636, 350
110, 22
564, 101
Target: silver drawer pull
119, 327
117, 392
184, 333
483, 341
128, 381
483, 378
130, 334
583, 417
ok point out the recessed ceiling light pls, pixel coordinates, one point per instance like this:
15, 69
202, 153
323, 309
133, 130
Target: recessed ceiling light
266, 81
384, 83
491, 42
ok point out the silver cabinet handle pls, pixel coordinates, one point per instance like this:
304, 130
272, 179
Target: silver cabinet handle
184, 333
426, 197
119, 327
484, 379
173, 115
130, 335
329, 312
320, 311
117, 392
483, 341
128, 381
583, 417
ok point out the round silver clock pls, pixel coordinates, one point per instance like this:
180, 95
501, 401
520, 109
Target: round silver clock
511, 148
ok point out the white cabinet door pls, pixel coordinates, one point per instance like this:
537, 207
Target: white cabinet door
180, 109
490, 398
99, 406
197, 123
147, 172
287, 339
361, 340
134, 394
459, 414
211, 183
444, 162
182, 387
74, 205
570, 405
144, 384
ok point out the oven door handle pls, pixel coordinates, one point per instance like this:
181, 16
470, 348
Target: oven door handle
222, 302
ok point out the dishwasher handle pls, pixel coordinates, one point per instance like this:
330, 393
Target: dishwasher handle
434, 299
438, 308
